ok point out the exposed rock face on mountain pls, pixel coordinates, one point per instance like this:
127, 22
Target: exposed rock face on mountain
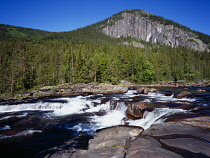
147, 27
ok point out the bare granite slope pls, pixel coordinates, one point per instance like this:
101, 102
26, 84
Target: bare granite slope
139, 25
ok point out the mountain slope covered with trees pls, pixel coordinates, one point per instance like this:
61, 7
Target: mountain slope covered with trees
33, 58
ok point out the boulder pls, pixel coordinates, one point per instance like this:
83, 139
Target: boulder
147, 147
184, 94
140, 90
118, 136
146, 90
206, 84
186, 140
193, 146
129, 84
124, 82
174, 129
104, 89
136, 110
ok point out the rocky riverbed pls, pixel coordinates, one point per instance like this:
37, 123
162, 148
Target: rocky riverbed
183, 138
142, 122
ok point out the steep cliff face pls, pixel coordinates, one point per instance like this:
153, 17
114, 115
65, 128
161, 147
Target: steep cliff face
139, 25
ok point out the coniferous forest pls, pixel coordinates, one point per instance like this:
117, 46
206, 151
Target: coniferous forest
32, 58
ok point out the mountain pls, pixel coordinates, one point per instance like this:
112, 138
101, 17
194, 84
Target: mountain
130, 27
20, 32
147, 27
132, 45
138, 28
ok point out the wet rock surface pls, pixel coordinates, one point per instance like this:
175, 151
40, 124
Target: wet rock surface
164, 140
136, 110
184, 94
107, 143
184, 137
144, 90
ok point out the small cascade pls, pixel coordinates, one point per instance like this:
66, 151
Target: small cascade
159, 97
116, 105
158, 115
70, 106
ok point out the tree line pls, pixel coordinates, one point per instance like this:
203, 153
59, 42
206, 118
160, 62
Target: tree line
29, 64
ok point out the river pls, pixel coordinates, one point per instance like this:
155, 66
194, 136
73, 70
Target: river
33, 127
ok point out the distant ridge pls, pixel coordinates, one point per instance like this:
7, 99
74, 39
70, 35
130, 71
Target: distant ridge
131, 26
15, 31
145, 26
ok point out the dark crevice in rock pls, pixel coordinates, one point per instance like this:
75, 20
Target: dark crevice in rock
175, 136
182, 152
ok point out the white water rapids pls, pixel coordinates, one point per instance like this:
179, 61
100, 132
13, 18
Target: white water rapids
111, 116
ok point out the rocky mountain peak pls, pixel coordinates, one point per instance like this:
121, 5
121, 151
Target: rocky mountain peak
145, 26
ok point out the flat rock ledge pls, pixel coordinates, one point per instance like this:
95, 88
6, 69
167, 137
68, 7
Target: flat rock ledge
75, 89
183, 138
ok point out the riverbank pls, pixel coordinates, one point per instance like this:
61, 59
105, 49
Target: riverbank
178, 84
177, 139
69, 89
67, 123
66, 90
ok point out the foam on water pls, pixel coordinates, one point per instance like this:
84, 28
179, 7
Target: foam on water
6, 117
158, 115
4, 127
19, 116
112, 118
159, 97
71, 106
24, 133
88, 128
74, 106
114, 111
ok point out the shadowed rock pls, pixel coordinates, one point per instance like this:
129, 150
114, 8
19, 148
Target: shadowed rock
185, 140
184, 94
144, 90
136, 110
147, 147
193, 145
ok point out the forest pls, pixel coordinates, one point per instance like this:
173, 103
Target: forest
84, 56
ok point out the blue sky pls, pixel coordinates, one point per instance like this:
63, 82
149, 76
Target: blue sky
66, 15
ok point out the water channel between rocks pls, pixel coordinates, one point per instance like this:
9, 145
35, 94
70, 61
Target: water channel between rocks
30, 126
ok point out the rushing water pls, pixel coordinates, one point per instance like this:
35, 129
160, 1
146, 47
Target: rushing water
31, 126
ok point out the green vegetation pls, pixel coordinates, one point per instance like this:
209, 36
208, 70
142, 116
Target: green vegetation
33, 58
14, 31
114, 146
